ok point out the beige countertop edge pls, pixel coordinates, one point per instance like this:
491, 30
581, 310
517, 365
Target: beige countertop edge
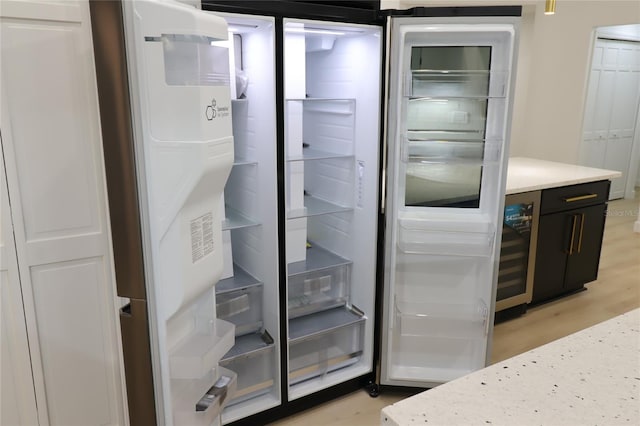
530, 174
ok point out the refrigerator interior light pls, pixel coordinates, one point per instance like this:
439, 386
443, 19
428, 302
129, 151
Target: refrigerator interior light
314, 31
550, 7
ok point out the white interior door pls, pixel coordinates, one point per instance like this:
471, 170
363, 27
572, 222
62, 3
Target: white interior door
55, 178
17, 396
612, 105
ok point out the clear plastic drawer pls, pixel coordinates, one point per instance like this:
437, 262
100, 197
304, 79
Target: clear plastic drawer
242, 307
319, 282
324, 342
253, 359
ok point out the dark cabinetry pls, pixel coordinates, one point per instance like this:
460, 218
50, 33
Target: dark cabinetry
569, 238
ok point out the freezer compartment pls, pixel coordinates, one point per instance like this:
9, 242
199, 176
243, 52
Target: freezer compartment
242, 307
318, 283
456, 83
200, 402
325, 341
428, 237
200, 351
252, 358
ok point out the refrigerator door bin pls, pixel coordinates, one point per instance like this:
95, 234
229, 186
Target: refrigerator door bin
253, 360
456, 83
318, 283
242, 307
414, 240
459, 321
448, 151
323, 342
195, 405
201, 350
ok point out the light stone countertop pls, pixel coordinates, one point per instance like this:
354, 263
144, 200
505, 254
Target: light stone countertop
530, 174
591, 377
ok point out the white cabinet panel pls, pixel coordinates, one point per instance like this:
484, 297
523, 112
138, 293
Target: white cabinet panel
72, 324
48, 102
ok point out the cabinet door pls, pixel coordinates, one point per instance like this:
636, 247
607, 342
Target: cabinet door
582, 264
554, 237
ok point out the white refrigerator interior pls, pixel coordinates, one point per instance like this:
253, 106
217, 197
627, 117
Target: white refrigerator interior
448, 130
332, 109
248, 293
180, 83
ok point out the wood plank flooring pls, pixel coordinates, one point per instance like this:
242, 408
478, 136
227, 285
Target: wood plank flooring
616, 291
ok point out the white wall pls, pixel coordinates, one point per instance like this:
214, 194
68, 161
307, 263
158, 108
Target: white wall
554, 55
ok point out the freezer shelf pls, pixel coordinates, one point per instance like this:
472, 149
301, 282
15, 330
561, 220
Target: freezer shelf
239, 280
235, 220
253, 359
315, 206
200, 352
456, 84
199, 403
325, 341
317, 154
318, 283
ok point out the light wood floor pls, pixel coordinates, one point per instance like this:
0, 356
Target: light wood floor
616, 291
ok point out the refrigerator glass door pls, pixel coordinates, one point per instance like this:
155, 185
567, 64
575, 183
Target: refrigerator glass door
448, 123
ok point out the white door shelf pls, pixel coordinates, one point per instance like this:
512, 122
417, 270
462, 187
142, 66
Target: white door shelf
440, 151
444, 242
450, 320
325, 341
252, 358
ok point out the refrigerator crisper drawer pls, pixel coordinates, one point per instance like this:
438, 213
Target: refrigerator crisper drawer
319, 282
201, 351
242, 307
200, 402
324, 342
253, 359
428, 237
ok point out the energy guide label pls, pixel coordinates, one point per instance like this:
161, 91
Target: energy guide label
201, 237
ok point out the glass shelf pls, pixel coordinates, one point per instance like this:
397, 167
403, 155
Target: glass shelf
235, 219
456, 84
327, 105
240, 279
315, 206
238, 161
316, 154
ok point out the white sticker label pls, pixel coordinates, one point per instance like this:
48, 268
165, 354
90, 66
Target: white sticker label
201, 237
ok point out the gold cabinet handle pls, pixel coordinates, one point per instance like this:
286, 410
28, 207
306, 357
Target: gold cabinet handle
573, 232
579, 198
581, 231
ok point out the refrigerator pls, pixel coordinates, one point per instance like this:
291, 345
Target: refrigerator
357, 231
